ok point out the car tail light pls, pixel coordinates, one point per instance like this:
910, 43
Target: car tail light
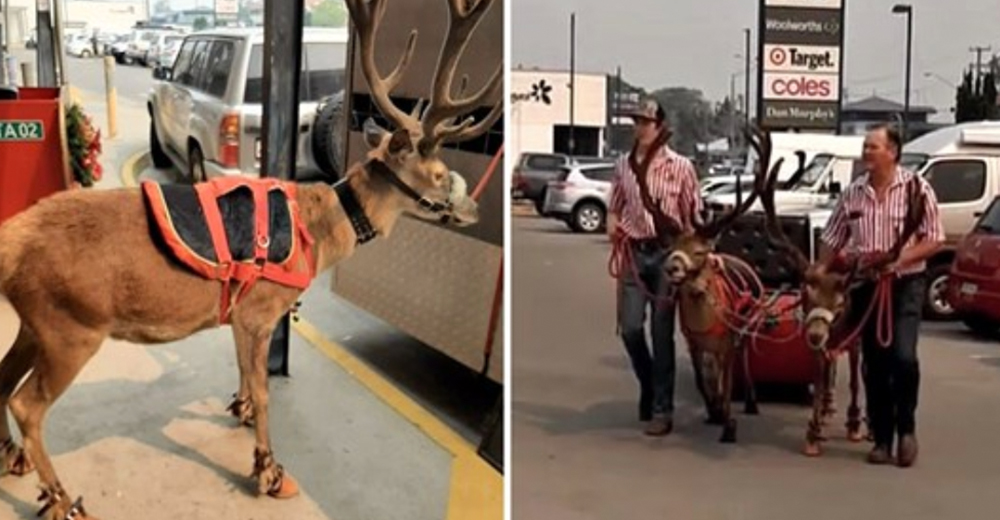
229, 141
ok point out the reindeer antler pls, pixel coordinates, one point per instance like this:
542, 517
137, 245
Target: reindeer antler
776, 235
436, 125
717, 225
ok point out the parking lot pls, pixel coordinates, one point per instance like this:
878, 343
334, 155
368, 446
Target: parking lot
579, 452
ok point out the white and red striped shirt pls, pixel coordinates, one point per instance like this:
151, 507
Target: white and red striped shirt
673, 184
866, 225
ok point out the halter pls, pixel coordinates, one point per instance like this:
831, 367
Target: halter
355, 213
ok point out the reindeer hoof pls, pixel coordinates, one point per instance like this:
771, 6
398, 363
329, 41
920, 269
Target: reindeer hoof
750, 408
812, 449
714, 418
855, 436
728, 433
15, 460
242, 409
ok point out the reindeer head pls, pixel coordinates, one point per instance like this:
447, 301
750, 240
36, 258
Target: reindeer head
825, 286
410, 154
691, 250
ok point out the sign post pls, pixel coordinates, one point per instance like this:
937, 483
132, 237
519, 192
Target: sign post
801, 75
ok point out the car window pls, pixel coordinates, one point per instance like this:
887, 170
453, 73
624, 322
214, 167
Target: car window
990, 221
192, 77
958, 180
182, 64
217, 68
600, 174
544, 162
323, 73
814, 170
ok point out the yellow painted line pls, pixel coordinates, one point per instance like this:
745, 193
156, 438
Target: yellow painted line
476, 489
129, 171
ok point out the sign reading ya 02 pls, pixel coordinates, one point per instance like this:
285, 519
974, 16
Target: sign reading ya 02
801, 87
21, 131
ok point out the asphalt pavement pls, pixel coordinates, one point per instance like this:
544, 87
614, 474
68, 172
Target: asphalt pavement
578, 452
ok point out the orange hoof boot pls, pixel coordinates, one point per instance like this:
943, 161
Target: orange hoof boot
812, 449
285, 487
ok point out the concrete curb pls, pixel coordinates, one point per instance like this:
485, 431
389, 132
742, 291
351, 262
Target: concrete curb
132, 167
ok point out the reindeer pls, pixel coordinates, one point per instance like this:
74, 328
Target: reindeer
142, 295
826, 305
705, 292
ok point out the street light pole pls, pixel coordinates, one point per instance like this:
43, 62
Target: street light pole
746, 77
572, 84
907, 10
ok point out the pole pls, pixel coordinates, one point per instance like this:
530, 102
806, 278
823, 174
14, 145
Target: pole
979, 58
280, 128
572, 84
618, 108
732, 110
909, 66
112, 95
746, 78
45, 50
27, 75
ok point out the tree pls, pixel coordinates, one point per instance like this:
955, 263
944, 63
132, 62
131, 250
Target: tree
200, 23
989, 97
330, 13
690, 117
965, 100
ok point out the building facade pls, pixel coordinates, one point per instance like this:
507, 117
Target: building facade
87, 15
541, 116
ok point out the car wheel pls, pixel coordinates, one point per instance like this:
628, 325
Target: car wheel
327, 138
981, 326
540, 203
588, 218
936, 306
85, 54
196, 164
160, 158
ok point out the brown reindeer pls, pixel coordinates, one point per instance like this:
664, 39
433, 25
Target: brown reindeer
826, 305
705, 296
82, 266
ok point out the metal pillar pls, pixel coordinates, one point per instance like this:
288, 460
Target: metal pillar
45, 50
280, 128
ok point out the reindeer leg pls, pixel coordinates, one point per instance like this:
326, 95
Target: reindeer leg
271, 476
829, 404
814, 433
729, 427
854, 411
750, 399
18, 361
59, 361
242, 405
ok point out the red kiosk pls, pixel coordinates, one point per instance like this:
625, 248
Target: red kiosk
34, 158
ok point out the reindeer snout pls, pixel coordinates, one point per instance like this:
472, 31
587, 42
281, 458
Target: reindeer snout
675, 270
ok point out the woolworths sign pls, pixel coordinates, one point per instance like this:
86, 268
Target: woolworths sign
801, 51
13, 131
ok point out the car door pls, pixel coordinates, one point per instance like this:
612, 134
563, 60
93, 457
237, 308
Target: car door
188, 87
962, 187
979, 253
169, 115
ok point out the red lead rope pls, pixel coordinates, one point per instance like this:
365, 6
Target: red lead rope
881, 305
490, 170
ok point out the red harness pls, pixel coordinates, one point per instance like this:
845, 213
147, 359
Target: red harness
296, 270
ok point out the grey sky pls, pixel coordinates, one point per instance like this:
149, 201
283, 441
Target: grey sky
692, 43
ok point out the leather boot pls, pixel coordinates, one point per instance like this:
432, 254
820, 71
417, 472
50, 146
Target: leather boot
907, 453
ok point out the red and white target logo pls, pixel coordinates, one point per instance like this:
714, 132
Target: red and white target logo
778, 56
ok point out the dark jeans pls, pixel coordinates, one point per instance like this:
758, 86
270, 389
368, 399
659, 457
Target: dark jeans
655, 372
892, 374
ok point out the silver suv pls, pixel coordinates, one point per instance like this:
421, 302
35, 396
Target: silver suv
206, 108
580, 196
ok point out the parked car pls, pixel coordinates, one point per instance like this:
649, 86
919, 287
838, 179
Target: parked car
80, 45
534, 170
973, 288
206, 107
580, 196
164, 50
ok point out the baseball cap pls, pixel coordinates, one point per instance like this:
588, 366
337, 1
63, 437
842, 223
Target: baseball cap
649, 109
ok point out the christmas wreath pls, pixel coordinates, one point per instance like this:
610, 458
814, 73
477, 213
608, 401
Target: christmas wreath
84, 143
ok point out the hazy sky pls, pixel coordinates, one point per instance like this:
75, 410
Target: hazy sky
692, 43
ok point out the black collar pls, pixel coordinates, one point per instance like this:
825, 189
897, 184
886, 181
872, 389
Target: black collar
376, 166
355, 213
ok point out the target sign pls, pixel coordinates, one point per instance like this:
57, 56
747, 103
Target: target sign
778, 56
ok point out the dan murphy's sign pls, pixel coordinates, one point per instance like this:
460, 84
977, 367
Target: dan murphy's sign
801, 54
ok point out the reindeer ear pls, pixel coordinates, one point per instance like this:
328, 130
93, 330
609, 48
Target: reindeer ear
400, 142
373, 133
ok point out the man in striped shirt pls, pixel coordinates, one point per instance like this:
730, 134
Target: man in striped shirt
867, 220
673, 186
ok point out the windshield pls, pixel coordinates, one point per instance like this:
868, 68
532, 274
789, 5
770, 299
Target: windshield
990, 221
913, 161
729, 187
813, 172
322, 72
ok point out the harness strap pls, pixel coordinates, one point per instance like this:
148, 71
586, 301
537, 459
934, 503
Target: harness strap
355, 213
216, 227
